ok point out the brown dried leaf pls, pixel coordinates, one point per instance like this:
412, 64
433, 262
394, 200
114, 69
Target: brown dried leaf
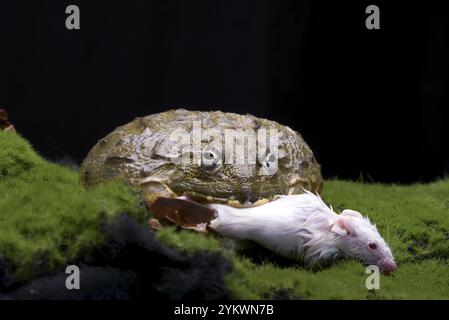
182, 213
5, 125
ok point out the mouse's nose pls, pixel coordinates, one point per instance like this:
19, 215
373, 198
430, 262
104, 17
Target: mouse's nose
388, 266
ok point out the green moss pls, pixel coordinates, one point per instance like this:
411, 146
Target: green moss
189, 241
16, 155
46, 216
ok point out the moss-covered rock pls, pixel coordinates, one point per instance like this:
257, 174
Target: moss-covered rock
46, 217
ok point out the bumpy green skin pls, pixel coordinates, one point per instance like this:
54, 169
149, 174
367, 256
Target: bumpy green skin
141, 152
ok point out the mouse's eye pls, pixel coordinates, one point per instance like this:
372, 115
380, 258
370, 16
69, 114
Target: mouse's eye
372, 246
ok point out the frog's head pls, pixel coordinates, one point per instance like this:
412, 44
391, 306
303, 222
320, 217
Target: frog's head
230, 161
244, 176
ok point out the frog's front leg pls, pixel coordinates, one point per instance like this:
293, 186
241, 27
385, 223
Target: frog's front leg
151, 190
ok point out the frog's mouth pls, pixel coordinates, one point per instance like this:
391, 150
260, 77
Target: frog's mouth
188, 209
154, 188
247, 199
243, 200
233, 202
191, 210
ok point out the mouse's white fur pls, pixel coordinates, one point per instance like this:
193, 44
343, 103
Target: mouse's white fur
303, 227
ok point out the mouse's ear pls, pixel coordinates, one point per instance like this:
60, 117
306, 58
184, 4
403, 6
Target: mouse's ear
340, 227
352, 213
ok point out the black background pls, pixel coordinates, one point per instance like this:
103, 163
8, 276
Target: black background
369, 102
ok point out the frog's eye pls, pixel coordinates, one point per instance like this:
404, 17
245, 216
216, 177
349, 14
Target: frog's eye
210, 158
269, 164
